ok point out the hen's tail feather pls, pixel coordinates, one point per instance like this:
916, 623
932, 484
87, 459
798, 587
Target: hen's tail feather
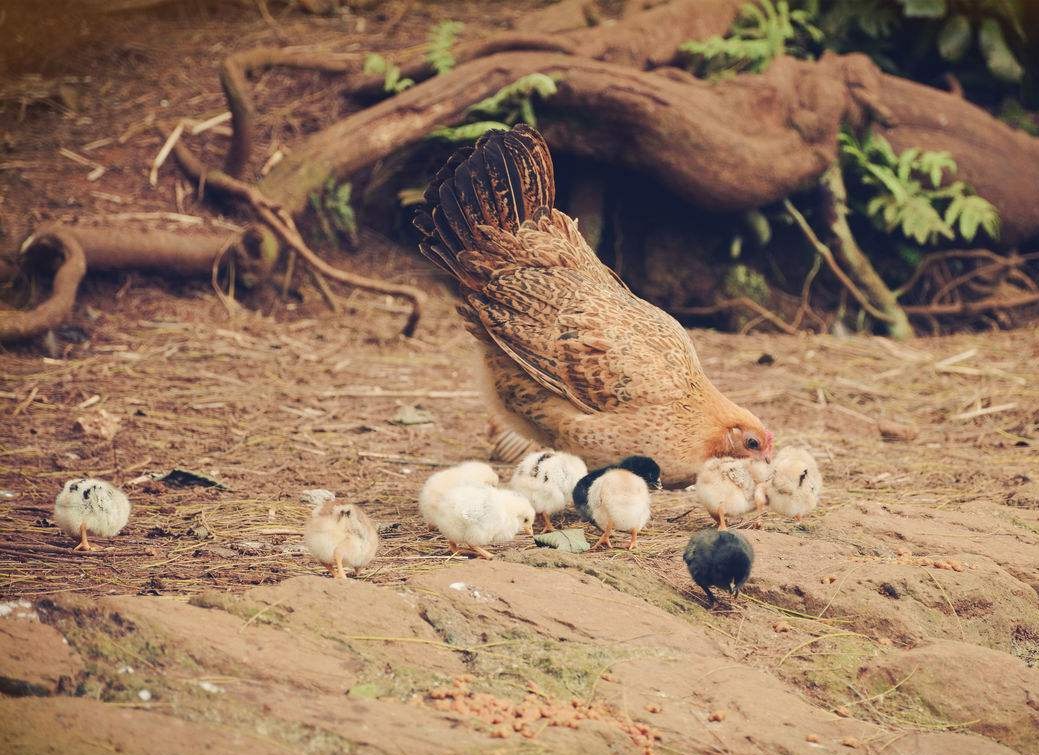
505, 180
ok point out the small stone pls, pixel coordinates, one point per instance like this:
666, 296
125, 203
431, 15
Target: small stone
851, 742
814, 738
144, 694
781, 626
829, 579
842, 711
717, 715
884, 641
893, 431
651, 708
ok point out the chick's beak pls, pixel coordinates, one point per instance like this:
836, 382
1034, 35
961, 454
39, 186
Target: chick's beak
529, 529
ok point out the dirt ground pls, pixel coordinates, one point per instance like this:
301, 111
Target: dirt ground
901, 617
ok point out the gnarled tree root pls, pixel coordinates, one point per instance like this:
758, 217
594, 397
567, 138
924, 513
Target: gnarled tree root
282, 225
80, 249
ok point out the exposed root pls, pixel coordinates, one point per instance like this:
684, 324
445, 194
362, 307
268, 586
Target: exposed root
282, 225
112, 248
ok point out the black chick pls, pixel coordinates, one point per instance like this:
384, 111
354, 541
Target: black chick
643, 466
719, 559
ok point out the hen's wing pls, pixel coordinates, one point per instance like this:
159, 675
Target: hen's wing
532, 285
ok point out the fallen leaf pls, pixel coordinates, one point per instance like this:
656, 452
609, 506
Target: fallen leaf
412, 415
100, 424
568, 541
185, 478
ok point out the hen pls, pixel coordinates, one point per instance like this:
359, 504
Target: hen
574, 360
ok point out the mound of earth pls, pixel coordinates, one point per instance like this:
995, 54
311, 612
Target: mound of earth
345, 666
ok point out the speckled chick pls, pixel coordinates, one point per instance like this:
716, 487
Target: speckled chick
90, 506
339, 533
796, 483
547, 479
732, 487
619, 500
719, 559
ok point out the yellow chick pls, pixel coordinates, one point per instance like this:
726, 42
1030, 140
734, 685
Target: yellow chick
796, 483
547, 479
732, 487
338, 533
90, 506
619, 500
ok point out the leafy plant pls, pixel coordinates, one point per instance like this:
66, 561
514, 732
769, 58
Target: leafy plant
906, 192
441, 40
762, 32
335, 213
903, 35
503, 109
376, 65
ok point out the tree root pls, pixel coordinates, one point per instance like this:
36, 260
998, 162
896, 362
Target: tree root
282, 225
119, 248
877, 299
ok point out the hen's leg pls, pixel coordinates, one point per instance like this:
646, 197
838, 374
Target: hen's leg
84, 544
548, 522
605, 539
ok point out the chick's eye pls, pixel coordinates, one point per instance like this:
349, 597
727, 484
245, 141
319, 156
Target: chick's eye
753, 444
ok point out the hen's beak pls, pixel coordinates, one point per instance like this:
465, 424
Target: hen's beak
658, 485
734, 589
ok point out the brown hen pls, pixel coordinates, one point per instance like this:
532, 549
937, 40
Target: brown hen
574, 360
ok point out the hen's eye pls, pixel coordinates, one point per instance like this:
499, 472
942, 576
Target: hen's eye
753, 444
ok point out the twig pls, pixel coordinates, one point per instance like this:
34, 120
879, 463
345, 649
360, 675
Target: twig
171, 140
743, 301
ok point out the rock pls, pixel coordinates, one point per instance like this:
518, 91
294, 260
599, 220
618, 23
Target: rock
35, 659
958, 682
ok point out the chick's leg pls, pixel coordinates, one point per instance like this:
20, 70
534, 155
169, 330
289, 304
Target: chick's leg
548, 522
721, 520
760, 499
84, 544
339, 574
631, 543
605, 539
482, 553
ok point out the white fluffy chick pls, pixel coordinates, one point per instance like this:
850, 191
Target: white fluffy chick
547, 479
619, 500
731, 487
796, 484
339, 533
464, 504
90, 506
439, 484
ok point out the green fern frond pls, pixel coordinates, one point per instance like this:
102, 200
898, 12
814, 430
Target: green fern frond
439, 48
468, 132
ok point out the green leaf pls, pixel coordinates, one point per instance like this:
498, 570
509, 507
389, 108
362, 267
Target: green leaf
924, 8
375, 64
954, 38
569, 541
998, 56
